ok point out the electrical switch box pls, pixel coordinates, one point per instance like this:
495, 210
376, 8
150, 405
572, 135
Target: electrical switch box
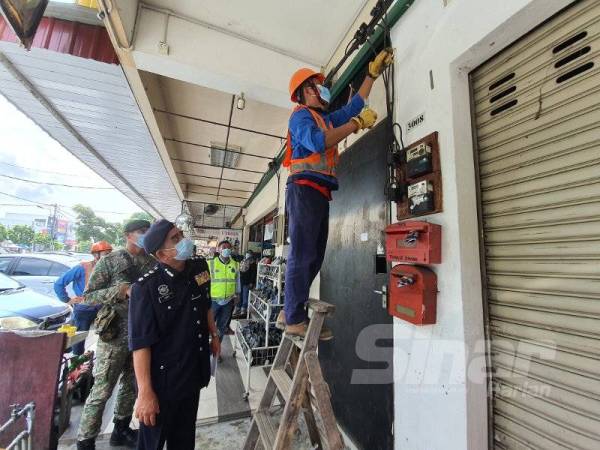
418, 161
420, 197
413, 294
414, 242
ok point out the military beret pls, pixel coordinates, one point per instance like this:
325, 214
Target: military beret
156, 235
135, 225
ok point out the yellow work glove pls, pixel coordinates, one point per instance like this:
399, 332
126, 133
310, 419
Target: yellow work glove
381, 61
366, 119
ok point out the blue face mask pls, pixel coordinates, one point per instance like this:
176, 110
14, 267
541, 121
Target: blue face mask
324, 93
140, 241
185, 249
226, 252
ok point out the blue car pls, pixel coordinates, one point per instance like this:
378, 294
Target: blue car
23, 309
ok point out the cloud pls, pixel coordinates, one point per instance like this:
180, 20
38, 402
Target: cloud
39, 157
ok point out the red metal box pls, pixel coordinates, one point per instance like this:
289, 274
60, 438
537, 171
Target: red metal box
414, 242
413, 294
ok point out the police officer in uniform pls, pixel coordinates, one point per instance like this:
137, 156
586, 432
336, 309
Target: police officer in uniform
170, 321
109, 286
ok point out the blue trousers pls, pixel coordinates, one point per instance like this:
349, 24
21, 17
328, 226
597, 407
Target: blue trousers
83, 321
175, 425
308, 221
245, 296
222, 314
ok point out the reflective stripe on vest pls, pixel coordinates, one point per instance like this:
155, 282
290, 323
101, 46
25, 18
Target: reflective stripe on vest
223, 278
324, 163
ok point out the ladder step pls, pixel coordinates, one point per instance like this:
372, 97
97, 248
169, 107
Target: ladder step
297, 341
319, 306
282, 381
266, 429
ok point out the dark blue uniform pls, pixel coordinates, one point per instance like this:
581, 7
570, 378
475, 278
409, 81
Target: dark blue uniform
168, 314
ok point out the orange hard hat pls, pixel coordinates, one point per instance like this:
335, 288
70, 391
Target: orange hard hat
299, 77
101, 246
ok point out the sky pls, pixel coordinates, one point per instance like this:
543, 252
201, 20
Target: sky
27, 152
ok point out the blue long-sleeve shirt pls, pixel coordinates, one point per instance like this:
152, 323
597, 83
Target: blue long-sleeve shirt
76, 277
308, 138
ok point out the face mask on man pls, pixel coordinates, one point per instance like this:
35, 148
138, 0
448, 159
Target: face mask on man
324, 93
184, 248
139, 241
226, 252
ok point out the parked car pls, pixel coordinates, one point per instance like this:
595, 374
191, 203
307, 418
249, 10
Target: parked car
22, 308
38, 271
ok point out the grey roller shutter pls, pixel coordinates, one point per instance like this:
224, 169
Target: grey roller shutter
537, 120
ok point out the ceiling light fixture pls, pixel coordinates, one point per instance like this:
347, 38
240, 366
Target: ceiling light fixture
184, 221
224, 157
24, 17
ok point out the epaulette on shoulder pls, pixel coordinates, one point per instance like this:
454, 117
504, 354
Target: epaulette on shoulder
148, 274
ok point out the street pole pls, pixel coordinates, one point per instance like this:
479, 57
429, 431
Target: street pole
53, 233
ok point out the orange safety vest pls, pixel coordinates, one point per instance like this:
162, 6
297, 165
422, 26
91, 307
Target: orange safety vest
324, 163
88, 267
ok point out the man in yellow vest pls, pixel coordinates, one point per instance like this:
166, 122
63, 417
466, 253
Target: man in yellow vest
311, 157
224, 286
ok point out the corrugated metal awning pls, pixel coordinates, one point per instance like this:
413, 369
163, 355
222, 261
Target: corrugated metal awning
72, 89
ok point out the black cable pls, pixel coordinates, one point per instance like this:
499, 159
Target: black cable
396, 144
348, 46
54, 184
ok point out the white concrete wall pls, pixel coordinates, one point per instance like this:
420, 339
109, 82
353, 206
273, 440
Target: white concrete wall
266, 201
437, 406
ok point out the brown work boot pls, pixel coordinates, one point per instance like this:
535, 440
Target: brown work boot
280, 323
299, 331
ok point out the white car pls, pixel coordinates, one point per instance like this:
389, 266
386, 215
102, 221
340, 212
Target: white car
38, 271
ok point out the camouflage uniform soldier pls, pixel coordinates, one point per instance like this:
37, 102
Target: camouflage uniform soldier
109, 286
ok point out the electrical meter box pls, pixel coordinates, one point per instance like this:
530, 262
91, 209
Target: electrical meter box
413, 294
414, 242
416, 184
418, 161
420, 197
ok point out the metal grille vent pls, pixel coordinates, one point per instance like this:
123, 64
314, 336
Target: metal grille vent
507, 90
573, 73
572, 40
571, 57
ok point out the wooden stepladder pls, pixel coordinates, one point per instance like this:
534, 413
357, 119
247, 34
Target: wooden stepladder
306, 391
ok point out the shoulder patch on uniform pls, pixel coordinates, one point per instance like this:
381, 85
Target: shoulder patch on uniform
202, 278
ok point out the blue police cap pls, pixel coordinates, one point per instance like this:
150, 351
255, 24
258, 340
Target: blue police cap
156, 235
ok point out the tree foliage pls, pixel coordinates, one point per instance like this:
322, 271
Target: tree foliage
42, 240
21, 235
84, 246
3, 233
140, 215
92, 228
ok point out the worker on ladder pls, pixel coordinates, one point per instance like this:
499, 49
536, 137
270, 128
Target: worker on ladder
311, 157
